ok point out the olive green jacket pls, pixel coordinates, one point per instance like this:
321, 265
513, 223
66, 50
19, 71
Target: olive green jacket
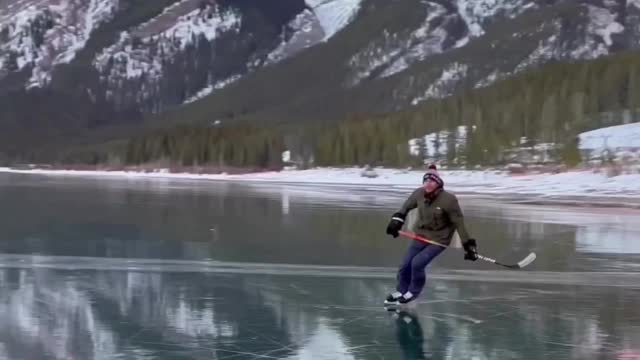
438, 216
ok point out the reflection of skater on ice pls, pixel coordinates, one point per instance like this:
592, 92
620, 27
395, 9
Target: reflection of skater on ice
409, 334
410, 337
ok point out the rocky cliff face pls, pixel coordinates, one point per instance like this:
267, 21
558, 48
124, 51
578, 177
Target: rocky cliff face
185, 51
286, 59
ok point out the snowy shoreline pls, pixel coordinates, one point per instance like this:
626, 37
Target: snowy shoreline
583, 188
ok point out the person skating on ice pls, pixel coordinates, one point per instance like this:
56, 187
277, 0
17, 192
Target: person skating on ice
438, 217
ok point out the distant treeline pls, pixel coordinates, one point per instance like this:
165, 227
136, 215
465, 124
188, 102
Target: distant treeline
551, 104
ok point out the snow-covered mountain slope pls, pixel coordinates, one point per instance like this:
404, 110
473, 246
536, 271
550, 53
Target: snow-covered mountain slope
477, 14
188, 51
143, 50
392, 53
229, 38
292, 59
395, 54
142, 53
515, 36
547, 31
334, 15
41, 34
320, 22
304, 31
445, 26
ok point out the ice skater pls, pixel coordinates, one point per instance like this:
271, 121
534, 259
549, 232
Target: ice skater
438, 217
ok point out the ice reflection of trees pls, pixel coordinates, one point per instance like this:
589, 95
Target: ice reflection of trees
540, 321
46, 314
140, 315
136, 315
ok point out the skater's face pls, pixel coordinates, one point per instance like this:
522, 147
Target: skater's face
430, 186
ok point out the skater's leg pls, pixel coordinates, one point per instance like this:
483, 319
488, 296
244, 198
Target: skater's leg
404, 272
418, 265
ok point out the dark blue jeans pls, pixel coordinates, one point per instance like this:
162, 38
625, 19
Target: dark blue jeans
411, 275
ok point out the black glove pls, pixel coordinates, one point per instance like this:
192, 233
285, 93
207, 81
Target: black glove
395, 225
470, 250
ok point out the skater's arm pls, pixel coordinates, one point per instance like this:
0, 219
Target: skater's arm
397, 219
457, 218
409, 204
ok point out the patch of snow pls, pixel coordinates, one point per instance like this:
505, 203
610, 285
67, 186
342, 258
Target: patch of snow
134, 56
315, 3
200, 94
594, 42
490, 79
613, 137
396, 67
373, 58
20, 40
425, 41
546, 50
442, 86
98, 11
307, 32
286, 156
597, 37
603, 23
166, 10
590, 49
462, 42
334, 15
466, 10
429, 42
254, 64
474, 12
576, 183
126, 62
194, 23
396, 52
132, 62
72, 23
211, 88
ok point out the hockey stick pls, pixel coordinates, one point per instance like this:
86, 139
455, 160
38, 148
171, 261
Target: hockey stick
524, 262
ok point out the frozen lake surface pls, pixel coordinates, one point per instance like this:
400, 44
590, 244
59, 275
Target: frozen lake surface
175, 269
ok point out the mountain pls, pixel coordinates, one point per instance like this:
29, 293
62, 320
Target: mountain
137, 46
39, 35
381, 64
99, 64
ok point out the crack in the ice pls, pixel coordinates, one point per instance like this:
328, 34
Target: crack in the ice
358, 318
565, 344
503, 314
351, 349
462, 317
274, 351
282, 346
342, 307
